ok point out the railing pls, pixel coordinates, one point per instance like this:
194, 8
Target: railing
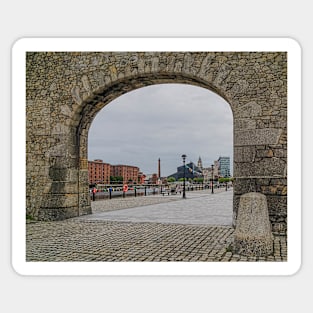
116, 191
109, 192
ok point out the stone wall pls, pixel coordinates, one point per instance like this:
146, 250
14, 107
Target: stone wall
65, 90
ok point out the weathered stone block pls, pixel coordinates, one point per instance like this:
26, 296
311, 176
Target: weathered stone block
277, 205
57, 213
60, 200
84, 210
266, 136
245, 123
270, 167
59, 187
249, 110
244, 154
253, 235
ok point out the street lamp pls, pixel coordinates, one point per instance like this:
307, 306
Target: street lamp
212, 178
184, 188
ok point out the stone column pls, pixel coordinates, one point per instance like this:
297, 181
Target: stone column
253, 236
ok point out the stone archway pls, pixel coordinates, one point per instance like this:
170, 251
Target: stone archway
65, 90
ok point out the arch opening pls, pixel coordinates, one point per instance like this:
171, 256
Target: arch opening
197, 117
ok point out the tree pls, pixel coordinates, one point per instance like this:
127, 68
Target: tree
116, 179
171, 179
224, 179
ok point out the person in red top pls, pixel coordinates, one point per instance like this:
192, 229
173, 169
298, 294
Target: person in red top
94, 190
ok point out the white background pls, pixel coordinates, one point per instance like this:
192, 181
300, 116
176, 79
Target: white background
162, 18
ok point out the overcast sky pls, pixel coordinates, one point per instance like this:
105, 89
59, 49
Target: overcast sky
162, 121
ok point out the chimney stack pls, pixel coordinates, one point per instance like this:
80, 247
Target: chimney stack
159, 168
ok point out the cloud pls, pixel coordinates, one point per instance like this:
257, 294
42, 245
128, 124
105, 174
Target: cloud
162, 121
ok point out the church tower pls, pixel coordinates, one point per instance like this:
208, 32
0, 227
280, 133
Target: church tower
200, 164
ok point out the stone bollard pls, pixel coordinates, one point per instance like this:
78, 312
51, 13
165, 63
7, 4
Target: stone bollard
253, 235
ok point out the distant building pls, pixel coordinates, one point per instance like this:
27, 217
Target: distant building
129, 173
99, 172
216, 171
207, 173
192, 171
141, 178
200, 164
224, 166
154, 179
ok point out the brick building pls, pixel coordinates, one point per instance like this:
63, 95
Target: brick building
99, 172
141, 178
129, 173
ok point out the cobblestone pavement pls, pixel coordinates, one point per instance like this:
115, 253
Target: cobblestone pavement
97, 239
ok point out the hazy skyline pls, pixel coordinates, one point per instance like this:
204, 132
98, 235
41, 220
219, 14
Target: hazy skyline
163, 121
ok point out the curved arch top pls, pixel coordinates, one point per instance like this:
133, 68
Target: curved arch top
104, 95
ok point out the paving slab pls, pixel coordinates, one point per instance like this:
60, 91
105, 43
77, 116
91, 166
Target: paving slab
199, 208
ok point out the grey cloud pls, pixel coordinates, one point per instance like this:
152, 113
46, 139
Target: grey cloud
162, 121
